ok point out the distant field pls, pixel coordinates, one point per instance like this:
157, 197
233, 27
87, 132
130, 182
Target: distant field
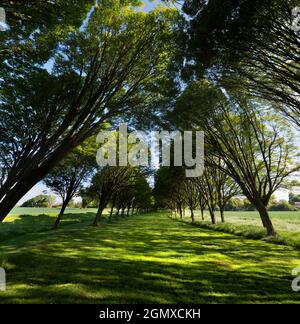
285, 221
48, 211
248, 223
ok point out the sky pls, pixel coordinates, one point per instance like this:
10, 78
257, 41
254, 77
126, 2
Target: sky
40, 188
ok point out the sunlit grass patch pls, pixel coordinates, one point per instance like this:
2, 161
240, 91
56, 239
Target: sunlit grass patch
145, 259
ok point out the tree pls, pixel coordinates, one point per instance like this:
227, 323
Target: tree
32, 24
40, 201
293, 198
168, 190
68, 177
234, 204
226, 187
105, 183
206, 188
282, 206
190, 196
202, 204
248, 44
133, 193
106, 68
255, 145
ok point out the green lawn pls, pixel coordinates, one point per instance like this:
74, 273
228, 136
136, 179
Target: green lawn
31, 220
48, 211
144, 259
282, 220
248, 224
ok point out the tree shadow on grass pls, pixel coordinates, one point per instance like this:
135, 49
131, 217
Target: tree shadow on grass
28, 224
147, 259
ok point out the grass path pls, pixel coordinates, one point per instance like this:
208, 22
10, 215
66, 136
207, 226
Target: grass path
145, 259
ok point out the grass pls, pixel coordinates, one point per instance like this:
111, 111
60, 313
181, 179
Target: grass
248, 224
145, 259
40, 219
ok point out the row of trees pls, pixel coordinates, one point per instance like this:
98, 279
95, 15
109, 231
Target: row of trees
212, 191
122, 188
249, 150
67, 67
240, 60
230, 69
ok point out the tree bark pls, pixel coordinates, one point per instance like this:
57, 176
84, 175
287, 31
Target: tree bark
222, 215
111, 211
60, 215
180, 211
98, 215
192, 215
14, 195
265, 218
212, 216
202, 214
29, 178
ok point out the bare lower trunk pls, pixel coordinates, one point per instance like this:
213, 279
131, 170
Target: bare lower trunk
266, 221
28, 177
60, 215
222, 215
192, 215
98, 216
180, 212
111, 211
202, 214
15, 194
212, 216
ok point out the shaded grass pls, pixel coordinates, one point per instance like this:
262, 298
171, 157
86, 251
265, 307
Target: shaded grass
145, 259
35, 221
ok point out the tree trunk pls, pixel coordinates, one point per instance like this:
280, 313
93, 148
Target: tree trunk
111, 211
192, 215
98, 216
14, 195
29, 176
212, 216
222, 215
202, 214
60, 215
180, 212
266, 221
